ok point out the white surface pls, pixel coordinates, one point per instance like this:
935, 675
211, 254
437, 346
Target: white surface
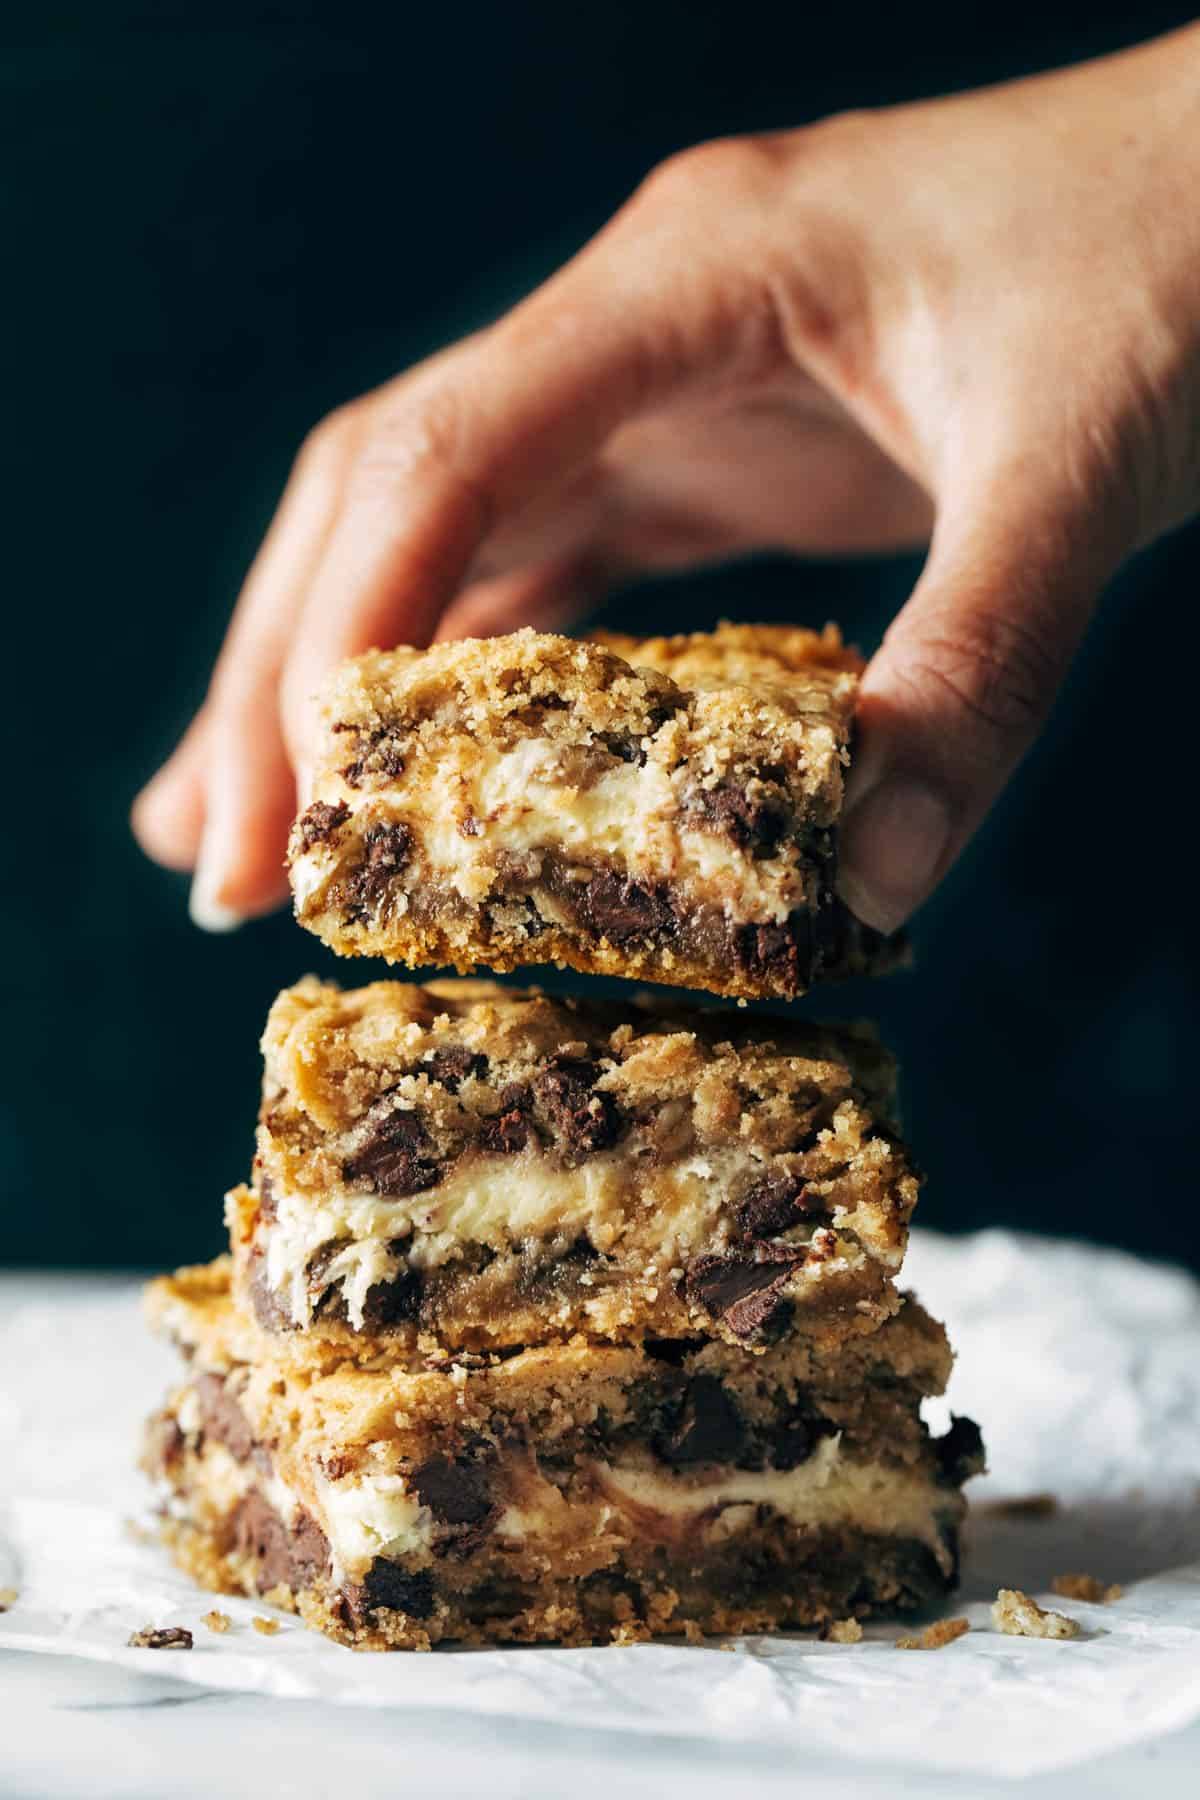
1084, 1368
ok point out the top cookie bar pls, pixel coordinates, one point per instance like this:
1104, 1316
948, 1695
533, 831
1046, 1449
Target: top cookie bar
661, 808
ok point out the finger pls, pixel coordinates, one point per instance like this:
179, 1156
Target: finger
250, 786
657, 301
962, 684
167, 817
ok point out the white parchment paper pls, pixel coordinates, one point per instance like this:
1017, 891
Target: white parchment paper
1083, 1367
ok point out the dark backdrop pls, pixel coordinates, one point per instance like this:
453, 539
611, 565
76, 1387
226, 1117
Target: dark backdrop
219, 221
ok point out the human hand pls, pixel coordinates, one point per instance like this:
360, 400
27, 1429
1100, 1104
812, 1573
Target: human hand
975, 320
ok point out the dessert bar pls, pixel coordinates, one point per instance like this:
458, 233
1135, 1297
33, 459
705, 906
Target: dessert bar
567, 1493
664, 808
500, 1167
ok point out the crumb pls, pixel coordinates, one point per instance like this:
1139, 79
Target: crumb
268, 1627
217, 1621
164, 1637
730, 1649
935, 1636
630, 1633
1018, 1615
841, 1631
8, 1597
1086, 1587
140, 1533
692, 1632
1023, 1506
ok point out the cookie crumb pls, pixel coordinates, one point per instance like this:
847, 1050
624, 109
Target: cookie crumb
161, 1637
8, 1597
841, 1631
1086, 1587
1018, 1615
936, 1636
692, 1633
217, 1621
1023, 1506
268, 1627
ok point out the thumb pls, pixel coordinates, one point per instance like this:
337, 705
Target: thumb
961, 686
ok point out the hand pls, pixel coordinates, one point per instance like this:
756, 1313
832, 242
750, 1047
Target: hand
977, 319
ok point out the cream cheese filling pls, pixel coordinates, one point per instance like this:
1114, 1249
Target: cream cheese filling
526, 800
504, 1202
377, 1515
827, 1490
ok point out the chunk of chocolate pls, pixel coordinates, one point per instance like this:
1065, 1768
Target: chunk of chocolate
960, 1451
394, 1302
164, 1443
287, 1557
386, 849
709, 1426
452, 1066
744, 1294
508, 1131
401, 1590
161, 1637
615, 907
222, 1417
320, 823
772, 953
454, 1489
773, 1205
583, 1119
793, 1443
754, 818
376, 754
393, 1153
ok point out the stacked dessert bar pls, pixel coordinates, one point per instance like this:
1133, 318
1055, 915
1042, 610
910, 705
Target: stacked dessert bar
552, 1320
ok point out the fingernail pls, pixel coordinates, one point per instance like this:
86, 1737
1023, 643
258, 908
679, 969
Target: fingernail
204, 907
893, 844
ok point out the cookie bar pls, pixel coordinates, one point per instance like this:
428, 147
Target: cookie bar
566, 1493
499, 1167
663, 808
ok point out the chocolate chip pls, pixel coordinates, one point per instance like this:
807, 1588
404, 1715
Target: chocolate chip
395, 1302
376, 754
583, 1119
455, 1491
320, 823
222, 1417
508, 1131
268, 1206
162, 1637
754, 822
164, 1443
386, 849
268, 1309
709, 1427
286, 1557
617, 908
772, 1205
453, 1065
792, 1444
960, 1452
388, 1584
771, 953
743, 1294
392, 1154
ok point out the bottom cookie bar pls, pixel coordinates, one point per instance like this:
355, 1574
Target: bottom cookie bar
565, 1494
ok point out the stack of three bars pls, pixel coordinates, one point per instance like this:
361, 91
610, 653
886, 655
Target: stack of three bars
554, 1321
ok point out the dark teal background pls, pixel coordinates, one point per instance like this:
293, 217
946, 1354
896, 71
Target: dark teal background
216, 222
